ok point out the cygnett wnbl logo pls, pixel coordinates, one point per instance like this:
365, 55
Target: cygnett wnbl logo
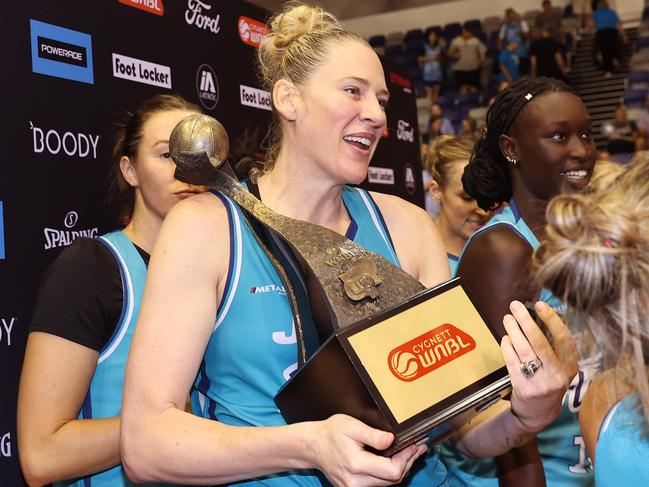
61, 52
429, 351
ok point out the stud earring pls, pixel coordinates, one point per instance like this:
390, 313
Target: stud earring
511, 160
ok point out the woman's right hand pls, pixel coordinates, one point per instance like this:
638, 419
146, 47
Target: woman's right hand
338, 451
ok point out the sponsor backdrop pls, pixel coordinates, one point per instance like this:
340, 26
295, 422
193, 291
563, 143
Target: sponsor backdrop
70, 68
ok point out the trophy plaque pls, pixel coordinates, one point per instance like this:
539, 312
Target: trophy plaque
398, 357
420, 369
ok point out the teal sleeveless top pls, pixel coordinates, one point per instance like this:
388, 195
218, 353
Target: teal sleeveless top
561, 446
253, 347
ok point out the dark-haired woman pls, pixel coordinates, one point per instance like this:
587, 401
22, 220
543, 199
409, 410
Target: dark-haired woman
69, 402
538, 144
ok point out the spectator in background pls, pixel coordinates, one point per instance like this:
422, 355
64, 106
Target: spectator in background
553, 20
430, 58
469, 127
583, 9
469, 53
446, 127
607, 26
642, 124
509, 63
546, 57
621, 136
516, 30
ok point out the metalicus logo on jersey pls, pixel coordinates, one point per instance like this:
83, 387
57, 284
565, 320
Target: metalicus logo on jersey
429, 351
61, 52
207, 86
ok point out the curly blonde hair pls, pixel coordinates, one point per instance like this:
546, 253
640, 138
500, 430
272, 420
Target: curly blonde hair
299, 40
596, 259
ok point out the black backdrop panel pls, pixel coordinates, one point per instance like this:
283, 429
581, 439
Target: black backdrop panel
70, 67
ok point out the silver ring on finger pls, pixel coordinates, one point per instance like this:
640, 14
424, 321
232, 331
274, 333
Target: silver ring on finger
530, 367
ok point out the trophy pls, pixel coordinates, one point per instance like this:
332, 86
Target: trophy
417, 362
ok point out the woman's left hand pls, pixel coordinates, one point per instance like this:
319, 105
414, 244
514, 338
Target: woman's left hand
537, 397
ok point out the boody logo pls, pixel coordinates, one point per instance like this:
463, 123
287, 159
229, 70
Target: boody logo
155, 7
428, 352
207, 86
61, 52
141, 71
251, 31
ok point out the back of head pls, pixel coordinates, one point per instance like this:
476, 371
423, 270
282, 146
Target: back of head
299, 40
444, 152
127, 136
487, 178
596, 259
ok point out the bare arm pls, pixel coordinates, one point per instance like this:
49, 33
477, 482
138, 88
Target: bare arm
53, 443
160, 441
505, 72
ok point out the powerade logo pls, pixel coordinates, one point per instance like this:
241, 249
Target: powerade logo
207, 86
254, 97
428, 352
61, 52
251, 31
155, 7
141, 71
2, 232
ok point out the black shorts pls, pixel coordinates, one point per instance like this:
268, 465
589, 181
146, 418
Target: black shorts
467, 78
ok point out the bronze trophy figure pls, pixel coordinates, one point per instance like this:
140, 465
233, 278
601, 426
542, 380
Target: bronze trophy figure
353, 293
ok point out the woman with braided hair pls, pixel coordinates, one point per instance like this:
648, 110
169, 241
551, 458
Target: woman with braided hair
596, 259
537, 145
235, 349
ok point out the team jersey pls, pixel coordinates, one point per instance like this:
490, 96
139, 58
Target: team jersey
253, 348
623, 447
453, 261
104, 398
561, 446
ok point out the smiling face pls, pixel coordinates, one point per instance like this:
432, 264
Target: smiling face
340, 114
459, 213
553, 144
153, 167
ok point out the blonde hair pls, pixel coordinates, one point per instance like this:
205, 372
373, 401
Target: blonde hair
596, 259
604, 173
444, 152
299, 40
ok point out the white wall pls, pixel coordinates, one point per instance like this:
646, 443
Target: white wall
460, 10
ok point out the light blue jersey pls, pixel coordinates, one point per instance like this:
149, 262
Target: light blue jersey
453, 261
560, 444
253, 349
104, 399
623, 446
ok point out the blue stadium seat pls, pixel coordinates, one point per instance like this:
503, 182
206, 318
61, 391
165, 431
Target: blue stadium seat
433, 28
474, 25
394, 52
414, 34
377, 41
641, 43
451, 31
634, 98
638, 80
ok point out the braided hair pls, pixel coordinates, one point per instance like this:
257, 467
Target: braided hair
486, 178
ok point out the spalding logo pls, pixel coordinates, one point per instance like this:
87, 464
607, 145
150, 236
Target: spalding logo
428, 352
